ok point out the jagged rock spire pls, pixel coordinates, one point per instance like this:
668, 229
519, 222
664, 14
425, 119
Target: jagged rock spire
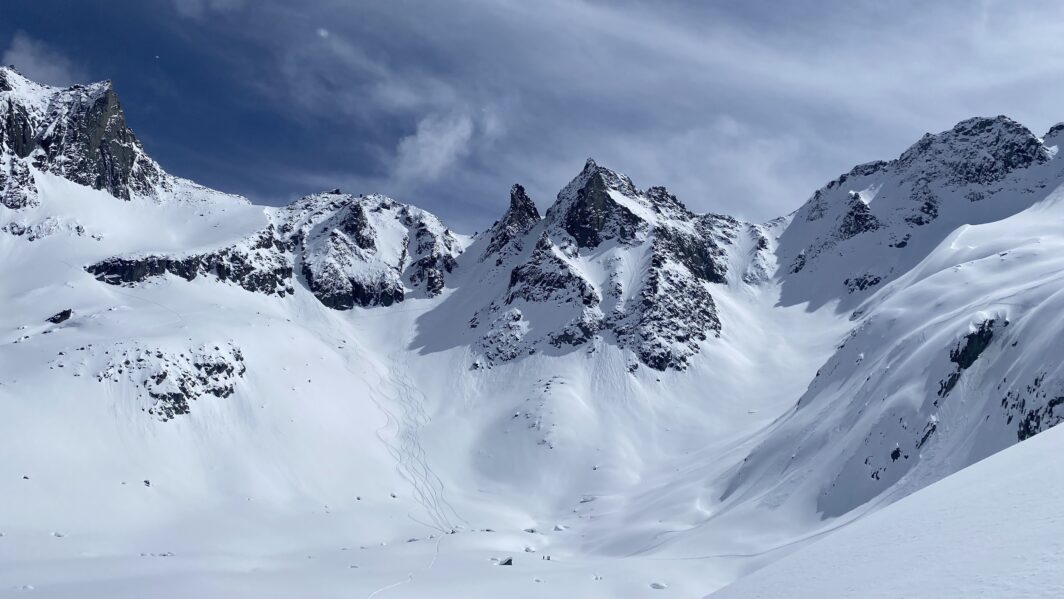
519, 219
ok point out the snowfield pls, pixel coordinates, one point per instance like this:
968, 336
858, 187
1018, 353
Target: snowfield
991, 530
202, 397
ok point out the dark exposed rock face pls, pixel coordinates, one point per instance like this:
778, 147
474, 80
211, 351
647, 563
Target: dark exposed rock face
433, 252
79, 133
86, 140
966, 353
548, 277
507, 233
699, 252
674, 316
979, 151
17, 187
590, 215
352, 251
260, 264
857, 219
171, 381
656, 302
16, 130
61, 316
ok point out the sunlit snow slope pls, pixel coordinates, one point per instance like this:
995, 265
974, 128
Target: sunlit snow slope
201, 397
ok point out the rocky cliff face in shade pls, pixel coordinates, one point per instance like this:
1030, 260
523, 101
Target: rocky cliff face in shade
590, 210
507, 234
609, 263
79, 133
84, 138
17, 187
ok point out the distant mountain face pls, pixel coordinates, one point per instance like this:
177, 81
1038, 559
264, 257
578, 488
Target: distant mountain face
876, 222
945, 261
937, 273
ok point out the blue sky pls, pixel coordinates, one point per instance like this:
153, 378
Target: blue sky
737, 107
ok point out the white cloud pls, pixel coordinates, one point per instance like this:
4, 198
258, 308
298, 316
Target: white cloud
439, 142
40, 62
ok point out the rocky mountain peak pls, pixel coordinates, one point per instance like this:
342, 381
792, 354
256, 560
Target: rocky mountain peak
506, 233
521, 206
88, 141
978, 150
597, 205
79, 133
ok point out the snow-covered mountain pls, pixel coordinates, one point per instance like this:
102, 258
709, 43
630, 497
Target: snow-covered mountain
344, 395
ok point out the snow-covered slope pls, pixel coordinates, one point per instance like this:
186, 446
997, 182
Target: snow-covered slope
343, 396
992, 530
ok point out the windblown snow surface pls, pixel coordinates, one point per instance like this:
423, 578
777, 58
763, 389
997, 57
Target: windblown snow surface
992, 530
201, 397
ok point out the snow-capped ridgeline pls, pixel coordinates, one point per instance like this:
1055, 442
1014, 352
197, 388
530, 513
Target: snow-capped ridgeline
876, 222
617, 376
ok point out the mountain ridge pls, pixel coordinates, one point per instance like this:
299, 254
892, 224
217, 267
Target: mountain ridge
619, 375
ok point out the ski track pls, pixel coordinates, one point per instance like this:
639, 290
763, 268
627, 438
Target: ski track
409, 455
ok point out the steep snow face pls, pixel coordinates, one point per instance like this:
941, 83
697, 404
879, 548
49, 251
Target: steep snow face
876, 222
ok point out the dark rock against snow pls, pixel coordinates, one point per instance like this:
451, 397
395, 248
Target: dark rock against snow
89, 142
169, 381
587, 210
979, 150
656, 259
353, 251
62, 316
17, 188
260, 263
546, 276
507, 233
967, 352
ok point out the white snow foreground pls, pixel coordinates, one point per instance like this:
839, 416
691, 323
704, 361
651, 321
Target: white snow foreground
200, 397
992, 530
